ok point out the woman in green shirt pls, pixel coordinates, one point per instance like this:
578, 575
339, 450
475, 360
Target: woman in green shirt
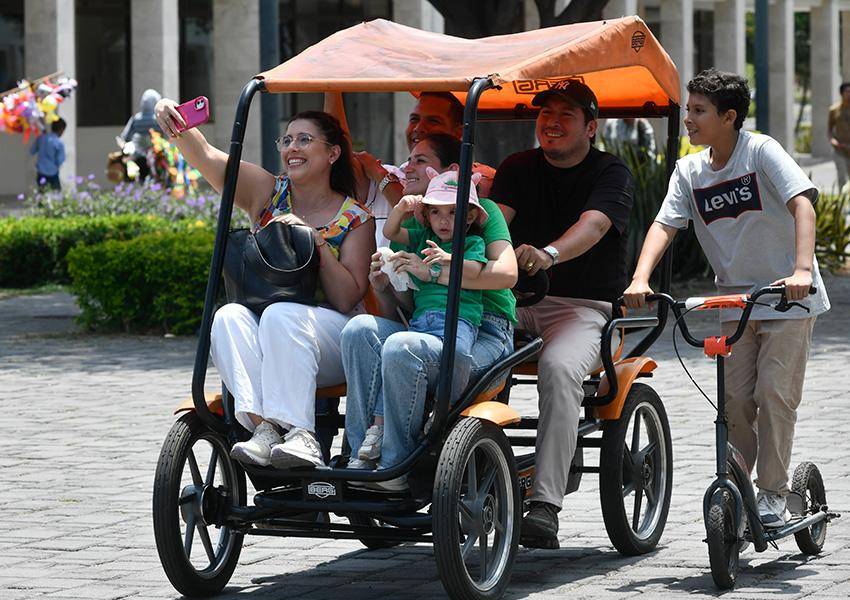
385, 363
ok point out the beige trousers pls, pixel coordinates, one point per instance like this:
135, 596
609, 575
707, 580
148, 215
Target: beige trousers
572, 331
764, 386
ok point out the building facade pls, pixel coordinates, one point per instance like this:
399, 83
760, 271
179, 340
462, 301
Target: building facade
184, 48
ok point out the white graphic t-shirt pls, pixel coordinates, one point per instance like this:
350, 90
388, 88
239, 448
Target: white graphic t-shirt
741, 219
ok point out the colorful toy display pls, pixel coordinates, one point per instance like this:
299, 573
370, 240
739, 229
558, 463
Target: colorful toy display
30, 108
170, 168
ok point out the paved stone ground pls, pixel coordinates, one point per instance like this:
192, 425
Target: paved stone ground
84, 417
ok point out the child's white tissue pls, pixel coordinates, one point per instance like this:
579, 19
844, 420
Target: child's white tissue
399, 281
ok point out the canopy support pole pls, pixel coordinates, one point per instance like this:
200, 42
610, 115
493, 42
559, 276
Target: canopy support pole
447, 359
225, 212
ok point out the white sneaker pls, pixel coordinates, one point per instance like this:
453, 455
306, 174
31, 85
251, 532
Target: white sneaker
370, 449
257, 450
398, 484
772, 510
358, 463
299, 449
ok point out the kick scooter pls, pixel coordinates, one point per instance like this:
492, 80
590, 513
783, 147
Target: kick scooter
729, 505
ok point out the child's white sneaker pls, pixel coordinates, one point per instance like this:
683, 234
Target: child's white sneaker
370, 449
772, 511
257, 450
299, 449
357, 463
397, 484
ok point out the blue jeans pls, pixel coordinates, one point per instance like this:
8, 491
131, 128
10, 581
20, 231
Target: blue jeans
411, 364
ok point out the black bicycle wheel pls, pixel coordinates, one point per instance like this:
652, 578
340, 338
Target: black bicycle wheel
476, 511
194, 475
722, 539
808, 483
636, 473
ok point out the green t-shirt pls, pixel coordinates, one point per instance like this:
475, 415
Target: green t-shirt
433, 296
500, 302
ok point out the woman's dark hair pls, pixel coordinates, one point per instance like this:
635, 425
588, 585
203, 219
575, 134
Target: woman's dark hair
725, 91
342, 171
445, 146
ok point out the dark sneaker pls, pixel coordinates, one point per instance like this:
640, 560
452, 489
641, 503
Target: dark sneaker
540, 527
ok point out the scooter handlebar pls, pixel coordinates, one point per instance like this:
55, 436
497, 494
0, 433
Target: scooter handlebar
742, 301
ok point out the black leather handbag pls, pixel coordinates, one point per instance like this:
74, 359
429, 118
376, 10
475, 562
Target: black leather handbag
279, 263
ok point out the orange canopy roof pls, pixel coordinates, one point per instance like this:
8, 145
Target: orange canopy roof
619, 59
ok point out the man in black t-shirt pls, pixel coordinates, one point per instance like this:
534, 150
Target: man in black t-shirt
568, 205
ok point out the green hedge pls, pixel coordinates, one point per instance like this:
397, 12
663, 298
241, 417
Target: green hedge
33, 249
154, 282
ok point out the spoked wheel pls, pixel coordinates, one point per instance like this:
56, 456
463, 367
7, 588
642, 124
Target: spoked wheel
722, 538
195, 481
371, 543
636, 473
476, 511
808, 483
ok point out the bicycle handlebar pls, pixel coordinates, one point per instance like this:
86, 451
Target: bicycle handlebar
745, 302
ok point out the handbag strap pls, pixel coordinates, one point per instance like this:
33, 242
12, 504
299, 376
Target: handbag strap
301, 235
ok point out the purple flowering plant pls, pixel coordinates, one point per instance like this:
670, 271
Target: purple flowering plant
88, 198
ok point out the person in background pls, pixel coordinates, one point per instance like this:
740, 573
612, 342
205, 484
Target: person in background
50, 150
137, 130
634, 132
838, 129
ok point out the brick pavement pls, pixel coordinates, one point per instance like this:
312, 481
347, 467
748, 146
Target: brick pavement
84, 418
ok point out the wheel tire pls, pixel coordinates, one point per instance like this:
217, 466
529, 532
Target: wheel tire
476, 452
636, 529
371, 543
722, 539
176, 501
807, 482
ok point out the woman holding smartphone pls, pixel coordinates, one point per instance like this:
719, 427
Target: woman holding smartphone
273, 364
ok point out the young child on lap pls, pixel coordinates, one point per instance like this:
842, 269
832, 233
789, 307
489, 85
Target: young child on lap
427, 251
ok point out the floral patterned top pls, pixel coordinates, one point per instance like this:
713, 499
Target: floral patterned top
350, 216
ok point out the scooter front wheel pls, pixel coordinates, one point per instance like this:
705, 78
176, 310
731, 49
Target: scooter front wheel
722, 538
808, 483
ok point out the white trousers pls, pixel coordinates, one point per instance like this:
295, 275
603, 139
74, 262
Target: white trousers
272, 364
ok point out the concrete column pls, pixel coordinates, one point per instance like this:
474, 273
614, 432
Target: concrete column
781, 72
619, 8
677, 37
730, 35
155, 48
422, 15
49, 29
531, 15
236, 48
825, 74
845, 45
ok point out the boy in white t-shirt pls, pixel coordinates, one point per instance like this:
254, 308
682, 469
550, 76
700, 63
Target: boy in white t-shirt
751, 206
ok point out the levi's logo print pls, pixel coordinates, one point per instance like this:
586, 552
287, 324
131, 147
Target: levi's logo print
728, 199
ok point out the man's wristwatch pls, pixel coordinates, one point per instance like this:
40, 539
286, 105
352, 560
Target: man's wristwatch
388, 178
435, 269
553, 254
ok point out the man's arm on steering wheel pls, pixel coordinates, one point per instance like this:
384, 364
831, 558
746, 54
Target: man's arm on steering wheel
575, 241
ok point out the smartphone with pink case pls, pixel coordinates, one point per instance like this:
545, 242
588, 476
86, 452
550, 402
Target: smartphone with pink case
195, 112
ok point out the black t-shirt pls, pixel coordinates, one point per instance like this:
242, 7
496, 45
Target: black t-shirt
549, 200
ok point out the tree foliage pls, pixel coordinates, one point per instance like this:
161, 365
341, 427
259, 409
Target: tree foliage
481, 18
